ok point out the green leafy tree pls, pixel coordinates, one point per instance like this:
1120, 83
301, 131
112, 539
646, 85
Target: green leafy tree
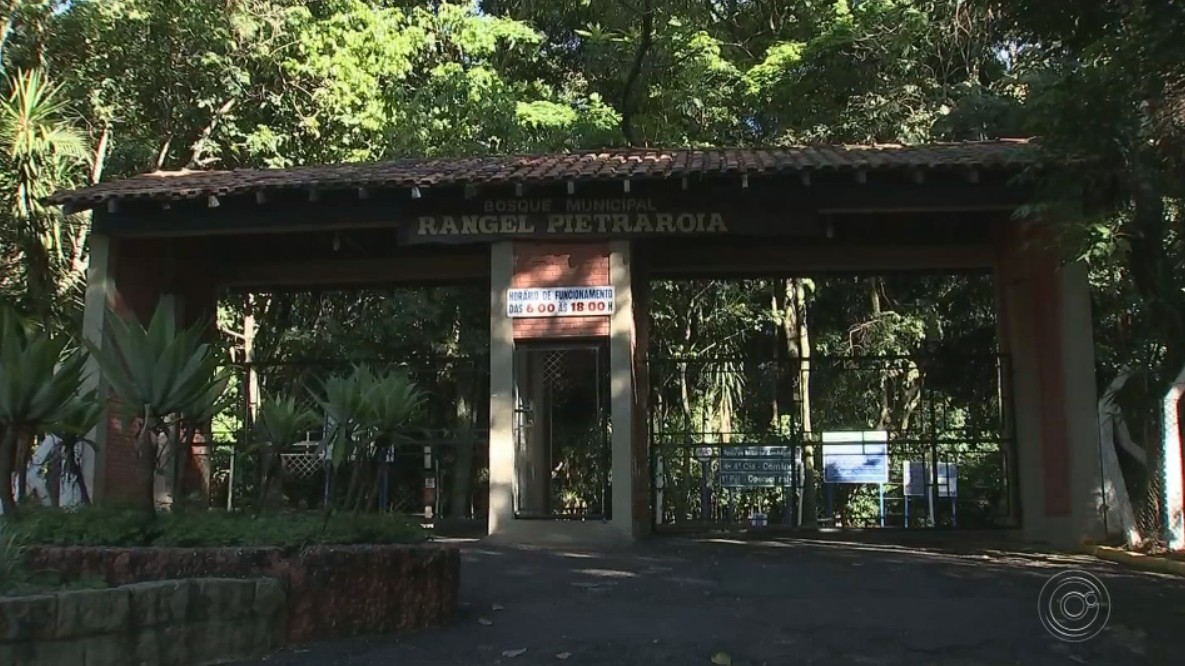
41, 249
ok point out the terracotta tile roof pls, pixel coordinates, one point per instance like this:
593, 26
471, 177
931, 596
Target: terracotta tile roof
556, 168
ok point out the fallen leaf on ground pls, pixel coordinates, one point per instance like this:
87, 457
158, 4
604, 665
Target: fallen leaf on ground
721, 659
514, 653
563, 655
482, 620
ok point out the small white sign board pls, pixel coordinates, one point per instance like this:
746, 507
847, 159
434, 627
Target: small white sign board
916, 479
560, 302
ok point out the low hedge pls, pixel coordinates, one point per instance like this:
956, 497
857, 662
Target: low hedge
121, 527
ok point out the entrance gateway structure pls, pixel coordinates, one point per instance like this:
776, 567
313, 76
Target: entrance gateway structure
569, 244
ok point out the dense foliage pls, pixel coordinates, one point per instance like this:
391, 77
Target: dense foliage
101, 89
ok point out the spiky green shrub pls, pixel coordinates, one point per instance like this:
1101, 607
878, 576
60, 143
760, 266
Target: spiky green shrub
370, 414
12, 559
281, 419
78, 418
39, 375
161, 375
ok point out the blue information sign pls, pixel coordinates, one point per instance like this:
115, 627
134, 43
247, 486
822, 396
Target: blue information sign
752, 466
855, 457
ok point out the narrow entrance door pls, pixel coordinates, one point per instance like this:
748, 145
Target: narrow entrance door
562, 454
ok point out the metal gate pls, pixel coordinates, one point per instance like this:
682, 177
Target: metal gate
853, 441
561, 432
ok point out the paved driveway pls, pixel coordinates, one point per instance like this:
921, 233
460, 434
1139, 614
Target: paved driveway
776, 602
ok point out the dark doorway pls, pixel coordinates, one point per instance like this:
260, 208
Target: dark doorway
562, 431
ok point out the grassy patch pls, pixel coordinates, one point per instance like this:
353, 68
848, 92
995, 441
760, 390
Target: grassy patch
112, 526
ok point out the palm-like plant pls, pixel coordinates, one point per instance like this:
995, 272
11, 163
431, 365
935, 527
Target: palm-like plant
370, 413
39, 376
341, 399
40, 151
77, 419
281, 420
160, 374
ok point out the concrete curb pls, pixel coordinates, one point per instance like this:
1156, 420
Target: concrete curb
1137, 560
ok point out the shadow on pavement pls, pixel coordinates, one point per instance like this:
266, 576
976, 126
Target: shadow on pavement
772, 601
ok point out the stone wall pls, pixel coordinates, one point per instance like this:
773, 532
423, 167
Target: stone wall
331, 591
168, 623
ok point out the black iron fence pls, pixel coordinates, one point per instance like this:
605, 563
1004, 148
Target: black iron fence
871, 441
444, 472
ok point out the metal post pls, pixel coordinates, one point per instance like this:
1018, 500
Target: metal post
328, 485
830, 502
882, 492
658, 488
705, 491
933, 490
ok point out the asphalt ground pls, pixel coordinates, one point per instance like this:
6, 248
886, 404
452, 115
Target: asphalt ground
784, 601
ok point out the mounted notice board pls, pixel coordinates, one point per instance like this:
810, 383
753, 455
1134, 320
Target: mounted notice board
856, 457
560, 302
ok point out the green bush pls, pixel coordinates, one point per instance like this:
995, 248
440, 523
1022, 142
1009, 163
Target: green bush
12, 560
111, 526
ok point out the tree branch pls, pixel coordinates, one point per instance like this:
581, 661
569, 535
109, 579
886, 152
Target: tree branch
644, 43
199, 146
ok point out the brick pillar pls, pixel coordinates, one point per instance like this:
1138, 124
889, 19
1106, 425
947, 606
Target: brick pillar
137, 267
132, 277
560, 265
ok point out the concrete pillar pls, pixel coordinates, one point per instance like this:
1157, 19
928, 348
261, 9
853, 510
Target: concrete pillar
621, 382
97, 302
1081, 401
1046, 330
643, 478
502, 473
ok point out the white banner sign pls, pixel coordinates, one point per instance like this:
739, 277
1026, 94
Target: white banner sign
560, 302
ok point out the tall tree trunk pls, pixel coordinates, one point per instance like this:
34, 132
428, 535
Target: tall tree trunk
776, 309
798, 345
53, 475
74, 470
7, 465
645, 40
146, 466
461, 490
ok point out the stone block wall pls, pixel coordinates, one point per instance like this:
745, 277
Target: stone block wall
331, 591
168, 623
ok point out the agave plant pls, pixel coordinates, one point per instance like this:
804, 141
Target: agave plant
341, 399
281, 420
393, 405
39, 375
160, 374
371, 413
78, 418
